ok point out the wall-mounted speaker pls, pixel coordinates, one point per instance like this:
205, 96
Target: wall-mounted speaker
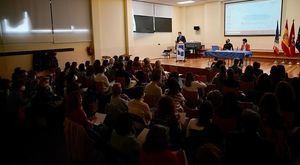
197, 28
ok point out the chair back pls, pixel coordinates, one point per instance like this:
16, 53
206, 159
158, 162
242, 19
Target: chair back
77, 141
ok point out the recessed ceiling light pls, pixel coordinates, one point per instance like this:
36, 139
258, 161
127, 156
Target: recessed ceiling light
185, 2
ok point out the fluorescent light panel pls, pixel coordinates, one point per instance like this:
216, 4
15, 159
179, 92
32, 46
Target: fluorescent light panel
185, 2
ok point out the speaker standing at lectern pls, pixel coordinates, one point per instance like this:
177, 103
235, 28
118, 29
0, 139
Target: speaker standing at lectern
180, 38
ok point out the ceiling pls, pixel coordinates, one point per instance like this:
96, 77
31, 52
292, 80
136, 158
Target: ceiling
174, 2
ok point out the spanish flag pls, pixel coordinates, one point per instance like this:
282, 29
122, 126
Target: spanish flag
285, 41
292, 41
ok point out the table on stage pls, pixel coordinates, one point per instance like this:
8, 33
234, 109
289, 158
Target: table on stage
229, 54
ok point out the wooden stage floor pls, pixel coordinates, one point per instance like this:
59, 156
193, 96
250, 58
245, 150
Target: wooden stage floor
266, 64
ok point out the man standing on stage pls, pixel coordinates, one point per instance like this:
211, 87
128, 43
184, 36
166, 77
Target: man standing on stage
180, 38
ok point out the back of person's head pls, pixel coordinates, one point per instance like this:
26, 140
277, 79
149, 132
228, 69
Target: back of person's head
136, 59
127, 58
74, 99
129, 64
166, 107
156, 76
269, 104
97, 64
146, 61
173, 86
87, 63
157, 139
216, 98
285, 94
141, 77
90, 70
116, 89
264, 83
121, 58
111, 61
281, 71
124, 124
236, 61
256, 65
120, 66
138, 93
74, 64
67, 65
205, 112
209, 154
157, 63
81, 67
249, 71
230, 106
245, 40
105, 63
189, 79
116, 58
250, 121
230, 73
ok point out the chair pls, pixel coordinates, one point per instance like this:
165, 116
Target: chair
167, 53
191, 98
78, 143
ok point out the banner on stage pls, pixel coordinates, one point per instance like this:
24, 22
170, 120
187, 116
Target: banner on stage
180, 53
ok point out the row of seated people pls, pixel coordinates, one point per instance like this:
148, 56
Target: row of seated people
218, 128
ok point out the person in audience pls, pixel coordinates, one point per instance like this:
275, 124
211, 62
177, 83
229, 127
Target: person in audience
138, 107
216, 98
101, 80
174, 92
209, 154
201, 130
228, 45
275, 75
230, 82
123, 140
217, 65
263, 84
191, 84
220, 77
121, 59
121, 73
105, 64
245, 47
282, 73
129, 67
118, 105
97, 65
141, 78
247, 146
73, 68
87, 64
74, 108
67, 68
152, 90
166, 115
136, 64
81, 72
111, 63
256, 69
147, 68
155, 150
157, 66
248, 75
273, 127
236, 68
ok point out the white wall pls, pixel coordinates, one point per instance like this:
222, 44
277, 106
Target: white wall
152, 44
212, 28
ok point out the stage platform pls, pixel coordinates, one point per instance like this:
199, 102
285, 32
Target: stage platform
198, 65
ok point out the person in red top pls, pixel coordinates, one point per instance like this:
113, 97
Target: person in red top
155, 150
245, 47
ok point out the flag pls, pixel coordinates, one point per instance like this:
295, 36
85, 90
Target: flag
292, 41
298, 41
276, 41
285, 40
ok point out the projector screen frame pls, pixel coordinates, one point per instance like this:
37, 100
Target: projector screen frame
250, 35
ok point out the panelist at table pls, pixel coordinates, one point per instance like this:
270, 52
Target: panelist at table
228, 45
245, 47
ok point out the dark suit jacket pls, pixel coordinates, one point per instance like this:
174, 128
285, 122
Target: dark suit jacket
182, 38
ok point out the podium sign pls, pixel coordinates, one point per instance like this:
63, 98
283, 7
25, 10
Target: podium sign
180, 53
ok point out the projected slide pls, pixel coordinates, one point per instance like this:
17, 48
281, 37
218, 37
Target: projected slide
257, 17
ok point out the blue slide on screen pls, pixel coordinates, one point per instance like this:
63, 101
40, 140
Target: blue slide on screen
258, 17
